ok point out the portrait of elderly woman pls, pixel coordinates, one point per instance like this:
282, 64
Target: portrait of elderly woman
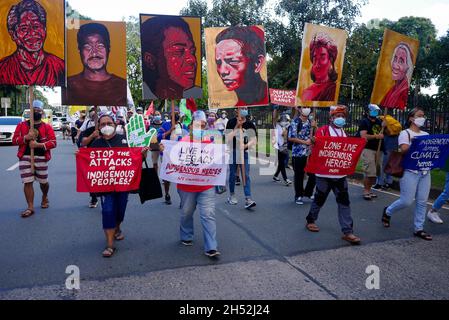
401, 73
30, 64
323, 54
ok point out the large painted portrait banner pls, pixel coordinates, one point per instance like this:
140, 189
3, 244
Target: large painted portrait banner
236, 67
394, 70
96, 64
32, 42
321, 68
171, 57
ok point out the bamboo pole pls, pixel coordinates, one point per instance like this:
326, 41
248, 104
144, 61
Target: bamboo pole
30, 98
378, 165
242, 155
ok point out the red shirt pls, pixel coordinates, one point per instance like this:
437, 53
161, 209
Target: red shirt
46, 133
188, 187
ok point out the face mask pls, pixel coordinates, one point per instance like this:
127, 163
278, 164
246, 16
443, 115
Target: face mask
223, 116
211, 119
108, 130
244, 113
197, 134
91, 115
420, 122
284, 124
176, 118
157, 118
37, 116
340, 122
311, 118
373, 113
306, 112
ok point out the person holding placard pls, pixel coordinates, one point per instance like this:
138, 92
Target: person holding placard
338, 184
414, 184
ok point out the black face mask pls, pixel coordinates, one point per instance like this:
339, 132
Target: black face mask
37, 116
176, 118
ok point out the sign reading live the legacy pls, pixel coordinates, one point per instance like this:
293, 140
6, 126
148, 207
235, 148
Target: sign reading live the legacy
286, 98
335, 156
108, 169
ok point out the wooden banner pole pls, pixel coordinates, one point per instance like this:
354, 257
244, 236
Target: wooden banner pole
242, 157
30, 98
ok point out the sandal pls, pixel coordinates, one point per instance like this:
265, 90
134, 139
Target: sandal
367, 196
386, 219
27, 213
373, 195
312, 227
423, 235
109, 252
45, 204
119, 236
352, 239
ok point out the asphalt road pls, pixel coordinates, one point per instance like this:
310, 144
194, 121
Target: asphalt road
266, 253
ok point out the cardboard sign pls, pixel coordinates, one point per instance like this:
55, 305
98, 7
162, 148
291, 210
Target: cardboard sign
286, 98
335, 156
137, 134
108, 169
198, 164
427, 153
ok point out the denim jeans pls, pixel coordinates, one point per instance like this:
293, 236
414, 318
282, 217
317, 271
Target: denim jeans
443, 196
413, 185
232, 171
113, 208
384, 178
205, 201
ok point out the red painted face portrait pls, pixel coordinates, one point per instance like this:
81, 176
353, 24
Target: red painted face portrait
171, 63
30, 64
232, 64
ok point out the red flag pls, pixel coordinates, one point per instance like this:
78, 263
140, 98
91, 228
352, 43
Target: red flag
191, 105
150, 109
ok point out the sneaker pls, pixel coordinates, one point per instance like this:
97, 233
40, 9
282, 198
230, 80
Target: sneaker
378, 187
299, 201
212, 253
187, 243
232, 200
386, 187
237, 181
312, 198
250, 204
434, 217
276, 179
93, 204
167, 199
287, 183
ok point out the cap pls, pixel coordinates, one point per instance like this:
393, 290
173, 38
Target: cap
199, 116
372, 107
38, 104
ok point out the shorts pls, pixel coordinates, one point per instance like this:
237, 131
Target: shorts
369, 163
40, 170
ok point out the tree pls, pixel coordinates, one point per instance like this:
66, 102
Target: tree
440, 67
134, 60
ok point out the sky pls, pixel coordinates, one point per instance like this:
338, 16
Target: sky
115, 10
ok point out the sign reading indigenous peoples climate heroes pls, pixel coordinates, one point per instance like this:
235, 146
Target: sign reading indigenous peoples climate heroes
108, 169
427, 153
198, 164
286, 98
335, 155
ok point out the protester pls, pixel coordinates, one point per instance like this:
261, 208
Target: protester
281, 144
211, 119
338, 184
156, 124
201, 197
299, 135
370, 128
414, 184
240, 127
41, 139
221, 123
433, 215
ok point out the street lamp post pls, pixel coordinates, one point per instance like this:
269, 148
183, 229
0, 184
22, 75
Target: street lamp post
352, 89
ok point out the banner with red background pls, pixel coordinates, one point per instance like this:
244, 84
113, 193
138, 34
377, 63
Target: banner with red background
286, 98
336, 156
101, 170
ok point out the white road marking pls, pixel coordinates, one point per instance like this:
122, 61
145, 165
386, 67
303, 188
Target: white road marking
14, 167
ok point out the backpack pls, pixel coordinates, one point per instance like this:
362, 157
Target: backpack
394, 126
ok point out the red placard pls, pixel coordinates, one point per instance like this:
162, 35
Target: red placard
285, 98
108, 169
335, 156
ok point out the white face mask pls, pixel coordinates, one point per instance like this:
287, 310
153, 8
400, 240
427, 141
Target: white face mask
420, 122
306, 112
108, 130
120, 130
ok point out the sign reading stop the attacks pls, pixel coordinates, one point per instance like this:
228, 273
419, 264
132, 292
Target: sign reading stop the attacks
101, 170
335, 156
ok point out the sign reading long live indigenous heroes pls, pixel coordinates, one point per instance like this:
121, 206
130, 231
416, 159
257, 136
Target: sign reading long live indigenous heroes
198, 164
335, 156
427, 153
108, 169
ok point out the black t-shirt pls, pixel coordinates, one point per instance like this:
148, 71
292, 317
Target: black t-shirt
40, 152
249, 130
372, 128
118, 141
78, 123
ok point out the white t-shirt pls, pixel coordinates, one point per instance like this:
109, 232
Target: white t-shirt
221, 123
334, 132
404, 139
87, 124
